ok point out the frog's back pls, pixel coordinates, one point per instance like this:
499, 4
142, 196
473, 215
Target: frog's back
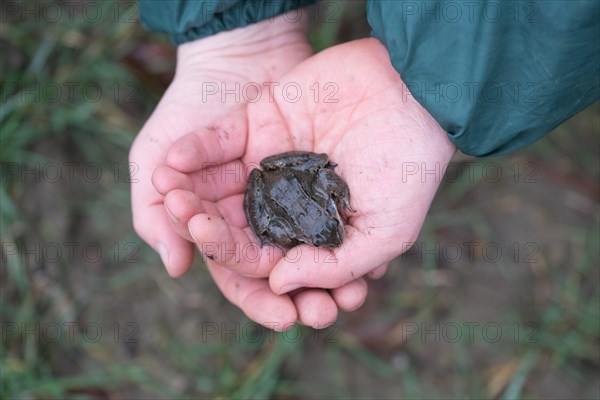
305, 213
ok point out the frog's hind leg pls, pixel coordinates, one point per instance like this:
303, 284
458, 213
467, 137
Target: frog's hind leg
281, 235
336, 187
257, 217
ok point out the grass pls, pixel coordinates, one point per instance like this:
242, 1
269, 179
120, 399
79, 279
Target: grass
166, 338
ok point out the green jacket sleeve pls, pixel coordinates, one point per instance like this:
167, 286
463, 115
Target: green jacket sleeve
496, 76
187, 20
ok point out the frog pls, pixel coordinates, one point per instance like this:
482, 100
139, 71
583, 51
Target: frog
297, 197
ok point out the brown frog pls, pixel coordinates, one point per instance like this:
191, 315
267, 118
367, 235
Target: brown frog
297, 198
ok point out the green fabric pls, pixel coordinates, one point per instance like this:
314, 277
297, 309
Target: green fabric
190, 20
496, 76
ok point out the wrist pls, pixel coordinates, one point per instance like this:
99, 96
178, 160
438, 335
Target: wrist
429, 142
268, 48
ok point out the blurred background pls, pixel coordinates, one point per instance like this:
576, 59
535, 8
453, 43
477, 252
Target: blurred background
499, 297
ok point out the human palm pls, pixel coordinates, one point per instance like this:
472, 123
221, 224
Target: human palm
382, 141
354, 107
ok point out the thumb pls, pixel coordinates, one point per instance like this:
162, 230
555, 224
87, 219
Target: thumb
152, 224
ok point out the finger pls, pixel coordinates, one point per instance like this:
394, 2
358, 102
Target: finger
351, 296
378, 272
316, 308
150, 218
152, 224
231, 247
181, 205
212, 183
231, 208
215, 182
218, 143
166, 179
323, 268
254, 297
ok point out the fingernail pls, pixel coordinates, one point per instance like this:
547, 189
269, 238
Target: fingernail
192, 235
172, 217
164, 254
290, 287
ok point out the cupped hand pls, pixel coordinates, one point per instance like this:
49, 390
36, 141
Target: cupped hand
350, 103
388, 148
211, 75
